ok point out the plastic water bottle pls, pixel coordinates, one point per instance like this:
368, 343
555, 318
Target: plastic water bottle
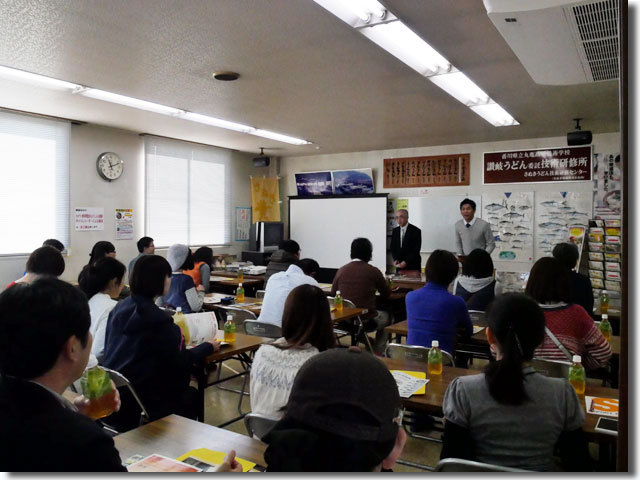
240, 294
605, 327
434, 360
577, 375
604, 302
337, 301
180, 320
229, 330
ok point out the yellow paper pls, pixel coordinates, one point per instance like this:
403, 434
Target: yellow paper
265, 196
422, 375
402, 203
214, 458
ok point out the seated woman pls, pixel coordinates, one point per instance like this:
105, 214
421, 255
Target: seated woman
144, 344
573, 331
102, 285
432, 312
100, 250
183, 292
477, 284
45, 261
307, 329
510, 415
581, 289
201, 271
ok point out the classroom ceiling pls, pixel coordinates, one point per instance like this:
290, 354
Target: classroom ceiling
303, 72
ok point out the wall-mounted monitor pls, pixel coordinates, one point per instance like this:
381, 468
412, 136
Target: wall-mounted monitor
266, 236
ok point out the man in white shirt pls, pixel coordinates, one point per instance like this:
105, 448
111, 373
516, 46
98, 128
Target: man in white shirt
280, 285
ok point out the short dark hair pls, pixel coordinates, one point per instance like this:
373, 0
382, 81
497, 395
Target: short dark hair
149, 273
567, 254
36, 320
308, 266
143, 243
203, 254
46, 261
361, 248
468, 201
478, 264
441, 267
517, 323
290, 246
98, 276
188, 263
52, 242
307, 318
100, 250
549, 281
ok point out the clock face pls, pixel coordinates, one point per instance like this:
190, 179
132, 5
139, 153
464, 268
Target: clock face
110, 166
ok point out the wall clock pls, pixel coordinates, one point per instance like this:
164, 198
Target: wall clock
110, 166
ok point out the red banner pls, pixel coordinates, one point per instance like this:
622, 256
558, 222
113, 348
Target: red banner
567, 164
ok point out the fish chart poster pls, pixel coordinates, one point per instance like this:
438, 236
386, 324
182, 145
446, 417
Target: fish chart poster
511, 217
314, 183
353, 182
556, 213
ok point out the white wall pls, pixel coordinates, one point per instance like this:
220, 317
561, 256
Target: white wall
607, 142
87, 189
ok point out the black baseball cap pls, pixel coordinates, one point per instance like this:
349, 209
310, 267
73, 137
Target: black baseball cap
346, 392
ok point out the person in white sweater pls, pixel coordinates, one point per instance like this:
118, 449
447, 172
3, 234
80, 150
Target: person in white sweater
307, 329
102, 284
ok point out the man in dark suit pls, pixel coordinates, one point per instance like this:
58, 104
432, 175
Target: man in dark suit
44, 347
406, 241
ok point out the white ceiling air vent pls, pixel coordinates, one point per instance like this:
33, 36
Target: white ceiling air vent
561, 42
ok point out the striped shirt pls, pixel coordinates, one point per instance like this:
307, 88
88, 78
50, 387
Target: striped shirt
577, 331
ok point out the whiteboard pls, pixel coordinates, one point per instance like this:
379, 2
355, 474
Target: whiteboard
436, 217
325, 227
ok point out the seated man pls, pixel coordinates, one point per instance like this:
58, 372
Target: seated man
358, 281
44, 347
145, 247
343, 415
44, 261
288, 252
302, 272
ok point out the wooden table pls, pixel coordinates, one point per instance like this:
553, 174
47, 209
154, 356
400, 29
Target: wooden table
174, 436
411, 283
431, 402
229, 280
252, 304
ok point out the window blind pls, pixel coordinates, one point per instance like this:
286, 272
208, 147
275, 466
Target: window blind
187, 194
34, 183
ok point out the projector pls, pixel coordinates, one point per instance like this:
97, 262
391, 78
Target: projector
261, 161
580, 137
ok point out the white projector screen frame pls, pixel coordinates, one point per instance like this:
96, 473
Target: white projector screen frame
325, 227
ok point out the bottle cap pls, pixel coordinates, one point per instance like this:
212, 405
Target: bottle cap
179, 309
605, 316
577, 359
240, 284
229, 318
435, 343
604, 291
337, 292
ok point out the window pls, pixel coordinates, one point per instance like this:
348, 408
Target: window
187, 193
34, 182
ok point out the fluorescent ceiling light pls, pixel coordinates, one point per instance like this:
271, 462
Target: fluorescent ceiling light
495, 114
216, 122
459, 86
367, 10
130, 102
397, 39
35, 79
279, 137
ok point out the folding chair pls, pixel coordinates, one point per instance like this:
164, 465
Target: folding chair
478, 318
260, 294
258, 425
261, 329
358, 323
551, 368
460, 465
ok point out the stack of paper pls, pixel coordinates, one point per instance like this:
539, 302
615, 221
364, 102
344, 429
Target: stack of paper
410, 383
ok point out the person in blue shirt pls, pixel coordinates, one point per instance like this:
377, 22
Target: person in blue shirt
183, 292
432, 312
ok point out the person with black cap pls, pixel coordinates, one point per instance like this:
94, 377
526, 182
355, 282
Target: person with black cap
343, 414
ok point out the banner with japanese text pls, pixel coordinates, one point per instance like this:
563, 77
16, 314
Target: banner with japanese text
567, 164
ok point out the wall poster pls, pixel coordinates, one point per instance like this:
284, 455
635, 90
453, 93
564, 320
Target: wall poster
314, 183
511, 217
432, 171
607, 173
124, 223
243, 223
353, 182
89, 218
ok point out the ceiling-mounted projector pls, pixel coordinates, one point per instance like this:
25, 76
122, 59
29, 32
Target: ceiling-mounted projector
262, 160
579, 137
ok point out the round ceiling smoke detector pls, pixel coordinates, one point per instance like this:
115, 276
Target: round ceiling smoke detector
226, 76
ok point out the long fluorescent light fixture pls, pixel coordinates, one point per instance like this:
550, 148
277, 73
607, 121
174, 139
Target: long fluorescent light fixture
53, 83
374, 21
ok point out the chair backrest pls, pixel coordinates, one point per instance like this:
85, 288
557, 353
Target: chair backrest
258, 425
121, 381
239, 314
478, 318
551, 368
345, 302
416, 353
261, 329
260, 294
460, 465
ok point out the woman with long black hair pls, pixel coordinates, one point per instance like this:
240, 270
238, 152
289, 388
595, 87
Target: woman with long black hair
511, 415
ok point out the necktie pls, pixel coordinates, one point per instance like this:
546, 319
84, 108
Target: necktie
402, 230
468, 225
